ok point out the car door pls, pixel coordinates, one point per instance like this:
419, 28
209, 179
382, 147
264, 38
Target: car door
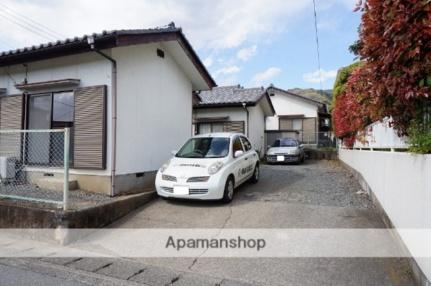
239, 162
250, 157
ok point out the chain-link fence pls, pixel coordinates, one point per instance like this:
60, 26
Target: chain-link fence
34, 165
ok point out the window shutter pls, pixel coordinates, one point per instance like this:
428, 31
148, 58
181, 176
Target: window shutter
11, 112
234, 126
309, 125
89, 128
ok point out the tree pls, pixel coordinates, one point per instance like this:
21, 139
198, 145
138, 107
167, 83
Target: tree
394, 79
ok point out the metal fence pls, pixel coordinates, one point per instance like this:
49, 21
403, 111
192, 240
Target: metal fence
34, 165
314, 140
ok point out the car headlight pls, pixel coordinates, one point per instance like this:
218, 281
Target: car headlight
169, 178
214, 168
164, 167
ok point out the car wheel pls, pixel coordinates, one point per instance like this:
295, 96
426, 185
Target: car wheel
228, 190
302, 159
255, 178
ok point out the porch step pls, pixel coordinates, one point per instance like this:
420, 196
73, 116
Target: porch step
56, 184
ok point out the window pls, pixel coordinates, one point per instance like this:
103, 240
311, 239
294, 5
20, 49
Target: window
246, 143
291, 124
204, 128
63, 108
49, 111
205, 147
297, 124
237, 146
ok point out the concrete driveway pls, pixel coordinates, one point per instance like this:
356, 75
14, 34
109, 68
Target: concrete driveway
317, 194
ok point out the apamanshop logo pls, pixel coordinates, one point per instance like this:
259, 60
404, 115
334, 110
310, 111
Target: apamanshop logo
215, 243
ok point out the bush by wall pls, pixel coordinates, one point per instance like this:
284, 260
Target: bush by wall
393, 81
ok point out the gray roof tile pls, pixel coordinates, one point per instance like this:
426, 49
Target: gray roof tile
230, 95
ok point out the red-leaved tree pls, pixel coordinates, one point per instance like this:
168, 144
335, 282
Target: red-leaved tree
395, 39
395, 79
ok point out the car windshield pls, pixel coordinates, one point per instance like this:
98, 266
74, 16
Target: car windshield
286, 142
205, 147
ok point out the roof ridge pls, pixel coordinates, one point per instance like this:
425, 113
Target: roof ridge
85, 36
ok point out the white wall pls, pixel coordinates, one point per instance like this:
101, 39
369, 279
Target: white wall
90, 68
289, 105
402, 184
380, 135
257, 128
256, 121
234, 114
154, 108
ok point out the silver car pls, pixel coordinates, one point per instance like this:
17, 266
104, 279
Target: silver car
285, 150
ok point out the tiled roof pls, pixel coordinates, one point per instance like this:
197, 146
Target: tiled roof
96, 36
105, 40
234, 94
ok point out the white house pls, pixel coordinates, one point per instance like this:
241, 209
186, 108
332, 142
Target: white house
296, 116
233, 109
127, 95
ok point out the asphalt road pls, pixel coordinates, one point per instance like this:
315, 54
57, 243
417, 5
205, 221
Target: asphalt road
318, 194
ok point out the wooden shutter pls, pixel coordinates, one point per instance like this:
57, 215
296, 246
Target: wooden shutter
309, 125
286, 124
234, 126
11, 111
89, 128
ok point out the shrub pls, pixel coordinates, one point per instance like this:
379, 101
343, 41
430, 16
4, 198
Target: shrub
420, 136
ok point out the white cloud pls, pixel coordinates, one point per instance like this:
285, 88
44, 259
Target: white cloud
228, 70
265, 76
246, 53
314, 77
208, 62
210, 25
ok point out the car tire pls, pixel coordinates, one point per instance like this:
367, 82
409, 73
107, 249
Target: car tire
256, 173
228, 190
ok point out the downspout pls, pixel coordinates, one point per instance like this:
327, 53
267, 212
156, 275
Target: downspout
90, 41
244, 105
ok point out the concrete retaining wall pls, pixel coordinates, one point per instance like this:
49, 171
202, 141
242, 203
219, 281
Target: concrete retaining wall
401, 183
22, 214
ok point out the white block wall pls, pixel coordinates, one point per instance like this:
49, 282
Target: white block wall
402, 184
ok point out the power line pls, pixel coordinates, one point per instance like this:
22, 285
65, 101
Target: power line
317, 47
31, 22
34, 31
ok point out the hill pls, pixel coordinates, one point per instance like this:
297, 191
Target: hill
324, 97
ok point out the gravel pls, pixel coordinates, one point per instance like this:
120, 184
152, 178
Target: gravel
29, 193
320, 182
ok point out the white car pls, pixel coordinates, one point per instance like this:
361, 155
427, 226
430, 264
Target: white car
285, 150
209, 167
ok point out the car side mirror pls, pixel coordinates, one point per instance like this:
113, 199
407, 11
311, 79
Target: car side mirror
269, 146
174, 152
301, 145
238, 153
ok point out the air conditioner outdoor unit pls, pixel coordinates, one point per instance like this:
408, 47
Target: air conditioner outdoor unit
7, 168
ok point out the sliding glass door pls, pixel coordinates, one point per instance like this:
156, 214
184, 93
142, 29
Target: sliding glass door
49, 111
39, 117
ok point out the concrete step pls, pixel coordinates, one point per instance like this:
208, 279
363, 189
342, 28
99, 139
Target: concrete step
55, 184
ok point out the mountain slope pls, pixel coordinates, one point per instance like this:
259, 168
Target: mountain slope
324, 97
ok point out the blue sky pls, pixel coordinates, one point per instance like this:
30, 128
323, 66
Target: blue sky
252, 43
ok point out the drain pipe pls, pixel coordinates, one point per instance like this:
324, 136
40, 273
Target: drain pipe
244, 105
90, 41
